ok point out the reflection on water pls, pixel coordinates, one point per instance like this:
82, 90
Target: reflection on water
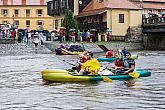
21, 85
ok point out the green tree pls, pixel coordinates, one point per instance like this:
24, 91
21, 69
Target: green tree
69, 22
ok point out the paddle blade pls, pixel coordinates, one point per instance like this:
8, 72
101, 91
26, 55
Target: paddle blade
106, 79
134, 74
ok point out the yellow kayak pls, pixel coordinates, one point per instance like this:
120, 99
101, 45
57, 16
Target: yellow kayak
55, 75
66, 52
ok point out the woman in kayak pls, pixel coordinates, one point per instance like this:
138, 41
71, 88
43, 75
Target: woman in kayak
118, 64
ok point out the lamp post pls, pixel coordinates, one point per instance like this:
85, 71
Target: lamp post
142, 7
67, 4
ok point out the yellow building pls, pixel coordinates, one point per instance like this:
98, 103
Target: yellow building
31, 14
99, 15
117, 15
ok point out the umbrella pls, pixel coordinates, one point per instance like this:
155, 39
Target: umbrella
39, 31
72, 29
109, 30
93, 29
61, 28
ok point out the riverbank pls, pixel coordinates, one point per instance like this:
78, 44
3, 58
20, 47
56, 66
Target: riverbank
95, 48
22, 48
49, 47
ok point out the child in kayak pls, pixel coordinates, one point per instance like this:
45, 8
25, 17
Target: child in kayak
109, 54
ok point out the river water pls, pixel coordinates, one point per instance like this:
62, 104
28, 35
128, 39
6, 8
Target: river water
22, 88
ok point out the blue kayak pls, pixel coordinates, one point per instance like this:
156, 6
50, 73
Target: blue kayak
104, 59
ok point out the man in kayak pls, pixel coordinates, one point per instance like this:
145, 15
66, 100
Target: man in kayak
91, 66
124, 65
129, 63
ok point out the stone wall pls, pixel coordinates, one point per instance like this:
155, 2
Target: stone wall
134, 34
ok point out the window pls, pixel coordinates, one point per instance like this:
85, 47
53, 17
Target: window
16, 12
27, 22
63, 3
51, 6
16, 22
62, 22
39, 12
56, 5
121, 18
56, 23
4, 12
27, 12
40, 22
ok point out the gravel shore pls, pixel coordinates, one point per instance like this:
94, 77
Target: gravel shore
95, 48
21, 48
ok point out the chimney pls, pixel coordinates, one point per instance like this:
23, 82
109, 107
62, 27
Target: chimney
5, 2
23, 2
41, 2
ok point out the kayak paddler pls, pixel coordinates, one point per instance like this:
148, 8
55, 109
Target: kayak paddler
91, 66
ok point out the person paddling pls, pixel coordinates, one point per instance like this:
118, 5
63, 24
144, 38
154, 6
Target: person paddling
91, 66
129, 63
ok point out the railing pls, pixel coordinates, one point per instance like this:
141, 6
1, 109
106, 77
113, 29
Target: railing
153, 20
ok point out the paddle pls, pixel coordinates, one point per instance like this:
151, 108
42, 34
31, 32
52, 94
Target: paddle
69, 63
106, 79
134, 74
92, 62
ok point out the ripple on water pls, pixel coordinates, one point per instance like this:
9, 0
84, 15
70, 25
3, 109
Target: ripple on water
21, 85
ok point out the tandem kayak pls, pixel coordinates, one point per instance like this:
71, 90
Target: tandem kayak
61, 51
104, 59
65, 76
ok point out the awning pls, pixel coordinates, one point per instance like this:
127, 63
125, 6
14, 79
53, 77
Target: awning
90, 13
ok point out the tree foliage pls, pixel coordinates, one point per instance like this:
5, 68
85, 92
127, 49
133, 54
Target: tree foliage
69, 22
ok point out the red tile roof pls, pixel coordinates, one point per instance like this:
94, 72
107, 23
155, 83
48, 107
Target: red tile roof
19, 2
113, 4
95, 6
154, 0
152, 5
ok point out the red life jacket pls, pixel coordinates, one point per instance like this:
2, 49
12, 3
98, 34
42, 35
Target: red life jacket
118, 63
109, 54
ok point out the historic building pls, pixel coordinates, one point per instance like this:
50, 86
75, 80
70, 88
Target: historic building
151, 7
31, 14
117, 15
57, 8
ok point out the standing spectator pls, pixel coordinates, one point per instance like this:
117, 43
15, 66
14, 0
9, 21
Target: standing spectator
78, 35
53, 34
88, 35
108, 36
83, 36
73, 35
36, 40
13, 34
63, 35
29, 37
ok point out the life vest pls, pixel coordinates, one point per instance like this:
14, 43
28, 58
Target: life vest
109, 54
92, 64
